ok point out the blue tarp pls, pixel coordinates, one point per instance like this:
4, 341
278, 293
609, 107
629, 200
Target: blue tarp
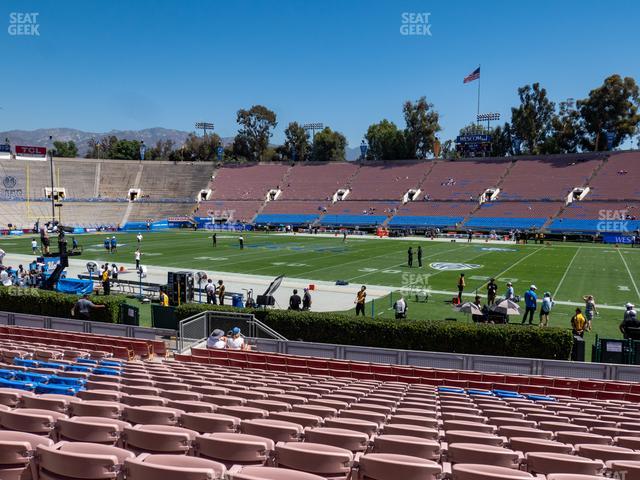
75, 286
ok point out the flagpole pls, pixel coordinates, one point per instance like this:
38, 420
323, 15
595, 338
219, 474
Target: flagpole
478, 112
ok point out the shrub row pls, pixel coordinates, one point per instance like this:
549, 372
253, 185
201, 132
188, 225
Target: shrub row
426, 335
54, 304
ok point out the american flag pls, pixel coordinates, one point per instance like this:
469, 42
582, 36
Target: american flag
475, 75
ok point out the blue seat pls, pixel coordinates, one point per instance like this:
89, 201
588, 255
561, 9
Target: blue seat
87, 361
286, 218
78, 368
507, 394
106, 371
54, 365
32, 377
28, 386
7, 374
24, 362
109, 363
58, 389
74, 382
540, 398
424, 221
486, 393
451, 389
353, 220
505, 222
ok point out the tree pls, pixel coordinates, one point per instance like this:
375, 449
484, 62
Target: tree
531, 121
612, 107
195, 148
256, 124
422, 124
328, 146
296, 139
161, 151
567, 131
65, 149
386, 141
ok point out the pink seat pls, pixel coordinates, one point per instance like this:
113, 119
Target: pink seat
429, 422
276, 430
97, 408
629, 470
90, 429
244, 413
79, 460
466, 436
411, 430
172, 467
483, 454
12, 396
234, 448
194, 406
16, 452
49, 401
323, 460
606, 452
269, 473
105, 395
386, 466
30, 420
158, 439
304, 419
149, 415
468, 471
550, 462
351, 440
356, 424
528, 444
406, 445
210, 422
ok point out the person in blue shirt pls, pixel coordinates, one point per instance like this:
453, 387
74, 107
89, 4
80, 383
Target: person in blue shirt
114, 244
510, 295
107, 244
530, 302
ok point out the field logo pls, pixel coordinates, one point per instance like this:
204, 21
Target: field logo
24, 24
446, 266
614, 220
497, 249
415, 24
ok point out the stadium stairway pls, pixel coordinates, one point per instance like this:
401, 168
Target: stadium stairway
127, 213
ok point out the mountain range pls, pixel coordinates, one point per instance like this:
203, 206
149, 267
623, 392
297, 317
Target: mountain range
150, 136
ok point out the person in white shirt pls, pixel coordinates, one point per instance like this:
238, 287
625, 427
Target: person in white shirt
210, 290
510, 295
138, 256
400, 308
235, 340
2, 254
139, 238
217, 340
34, 246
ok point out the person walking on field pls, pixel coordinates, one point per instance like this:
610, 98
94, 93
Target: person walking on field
492, 291
361, 298
138, 255
410, 257
241, 241
306, 300
214, 239
420, 256
461, 285
590, 310
531, 303
545, 308
578, 323
220, 291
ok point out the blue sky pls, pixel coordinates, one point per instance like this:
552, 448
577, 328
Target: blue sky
99, 65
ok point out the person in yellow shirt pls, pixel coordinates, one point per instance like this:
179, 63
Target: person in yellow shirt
578, 323
361, 298
164, 298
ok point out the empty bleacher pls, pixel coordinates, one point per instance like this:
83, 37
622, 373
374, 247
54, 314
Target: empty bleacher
508, 215
388, 181
431, 214
180, 181
116, 178
241, 210
618, 179
317, 181
248, 181
593, 216
463, 180
548, 178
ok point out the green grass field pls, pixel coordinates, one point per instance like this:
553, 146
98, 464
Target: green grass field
568, 271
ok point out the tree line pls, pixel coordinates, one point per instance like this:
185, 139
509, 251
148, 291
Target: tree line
607, 117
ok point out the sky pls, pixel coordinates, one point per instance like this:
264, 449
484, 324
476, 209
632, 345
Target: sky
101, 65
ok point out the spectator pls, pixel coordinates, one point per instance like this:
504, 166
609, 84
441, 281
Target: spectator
410, 257
361, 298
461, 285
139, 238
210, 290
545, 308
34, 246
589, 310
164, 298
420, 256
578, 323
106, 285
217, 340
510, 295
220, 290
531, 303
235, 340
82, 308
138, 254
306, 300
630, 320
477, 301
241, 242
400, 307
295, 301
492, 291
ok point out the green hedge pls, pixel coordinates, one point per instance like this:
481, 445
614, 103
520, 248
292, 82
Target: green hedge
427, 335
54, 304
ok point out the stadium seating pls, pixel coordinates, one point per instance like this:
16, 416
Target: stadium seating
247, 182
519, 215
388, 181
317, 181
285, 417
242, 210
618, 179
431, 214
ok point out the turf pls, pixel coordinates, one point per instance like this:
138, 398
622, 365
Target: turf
567, 270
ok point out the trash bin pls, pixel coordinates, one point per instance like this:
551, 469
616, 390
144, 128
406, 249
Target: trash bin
577, 352
129, 315
236, 301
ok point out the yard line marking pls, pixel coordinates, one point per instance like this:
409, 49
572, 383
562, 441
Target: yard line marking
555, 292
513, 265
629, 272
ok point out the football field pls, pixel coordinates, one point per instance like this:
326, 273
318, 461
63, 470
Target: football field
569, 271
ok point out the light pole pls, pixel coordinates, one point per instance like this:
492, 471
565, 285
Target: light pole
143, 150
313, 127
487, 117
204, 126
53, 202
363, 150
